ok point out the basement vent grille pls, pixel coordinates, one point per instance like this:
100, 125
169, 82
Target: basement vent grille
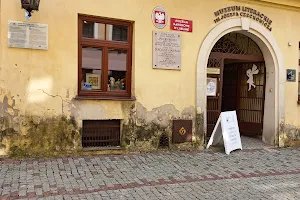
101, 133
163, 141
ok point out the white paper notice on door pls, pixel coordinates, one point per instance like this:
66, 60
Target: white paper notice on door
227, 128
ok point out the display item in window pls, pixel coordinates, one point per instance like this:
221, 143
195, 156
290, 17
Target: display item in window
86, 86
116, 85
94, 80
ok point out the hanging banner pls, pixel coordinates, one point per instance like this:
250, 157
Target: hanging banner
227, 128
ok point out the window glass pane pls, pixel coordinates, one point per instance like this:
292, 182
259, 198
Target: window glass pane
299, 82
116, 33
93, 30
91, 68
117, 66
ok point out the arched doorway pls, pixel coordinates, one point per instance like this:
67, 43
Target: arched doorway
275, 75
237, 65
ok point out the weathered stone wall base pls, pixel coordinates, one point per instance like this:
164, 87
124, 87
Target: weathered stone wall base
289, 136
39, 137
143, 129
24, 135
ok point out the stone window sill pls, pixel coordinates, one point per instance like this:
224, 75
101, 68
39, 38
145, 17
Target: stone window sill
102, 148
132, 98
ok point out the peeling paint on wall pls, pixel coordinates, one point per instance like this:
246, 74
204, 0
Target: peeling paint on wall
289, 136
9, 117
45, 137
39, 136
35, 136
142, 131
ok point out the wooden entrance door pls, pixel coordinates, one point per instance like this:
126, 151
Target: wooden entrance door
214, 102
240, 50
230, 85
250, 104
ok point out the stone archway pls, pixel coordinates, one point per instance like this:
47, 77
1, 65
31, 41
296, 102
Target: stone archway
274, 96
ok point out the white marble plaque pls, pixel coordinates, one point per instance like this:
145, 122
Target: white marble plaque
27, 35
166, 50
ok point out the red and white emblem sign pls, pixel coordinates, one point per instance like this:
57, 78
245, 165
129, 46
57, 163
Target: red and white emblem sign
159, 17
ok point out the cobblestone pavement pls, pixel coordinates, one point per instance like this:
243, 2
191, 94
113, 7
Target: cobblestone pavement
253, 173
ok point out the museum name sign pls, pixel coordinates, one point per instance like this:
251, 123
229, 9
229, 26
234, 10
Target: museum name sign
241, 11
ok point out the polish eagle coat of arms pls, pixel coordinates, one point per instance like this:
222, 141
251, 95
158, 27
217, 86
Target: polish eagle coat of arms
159, 17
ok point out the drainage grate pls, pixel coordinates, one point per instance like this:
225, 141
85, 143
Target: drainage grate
101, 133
163, 141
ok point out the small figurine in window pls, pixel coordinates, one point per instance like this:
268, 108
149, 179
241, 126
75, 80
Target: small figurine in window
122, 84
118, 84
112, 83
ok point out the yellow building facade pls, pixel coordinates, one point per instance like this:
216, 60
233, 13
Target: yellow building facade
99, 73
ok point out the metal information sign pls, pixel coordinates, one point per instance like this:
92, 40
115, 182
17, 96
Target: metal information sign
27, 35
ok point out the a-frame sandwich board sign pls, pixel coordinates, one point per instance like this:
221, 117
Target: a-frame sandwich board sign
227, 128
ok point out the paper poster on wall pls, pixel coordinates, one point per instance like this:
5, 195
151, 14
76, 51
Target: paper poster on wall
228, 129
211, 89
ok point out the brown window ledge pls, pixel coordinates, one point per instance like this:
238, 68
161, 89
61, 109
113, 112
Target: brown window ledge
299, 100
105, 98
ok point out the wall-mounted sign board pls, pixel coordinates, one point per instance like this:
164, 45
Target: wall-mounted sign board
181, 25
27, 35
243, 11
211, 70
226, 128
291, 75
166, 50
159, 17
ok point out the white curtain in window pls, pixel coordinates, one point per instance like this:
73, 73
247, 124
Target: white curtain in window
96, 29
109, 31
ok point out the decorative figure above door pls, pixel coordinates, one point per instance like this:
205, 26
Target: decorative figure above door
250, 73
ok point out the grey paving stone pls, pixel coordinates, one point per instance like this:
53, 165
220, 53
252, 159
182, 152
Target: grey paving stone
176, 170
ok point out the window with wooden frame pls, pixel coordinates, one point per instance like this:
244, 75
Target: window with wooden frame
104, 58
299, 85
299, 76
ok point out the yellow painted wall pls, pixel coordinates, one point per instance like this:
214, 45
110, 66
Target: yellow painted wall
24, 72
292, 3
